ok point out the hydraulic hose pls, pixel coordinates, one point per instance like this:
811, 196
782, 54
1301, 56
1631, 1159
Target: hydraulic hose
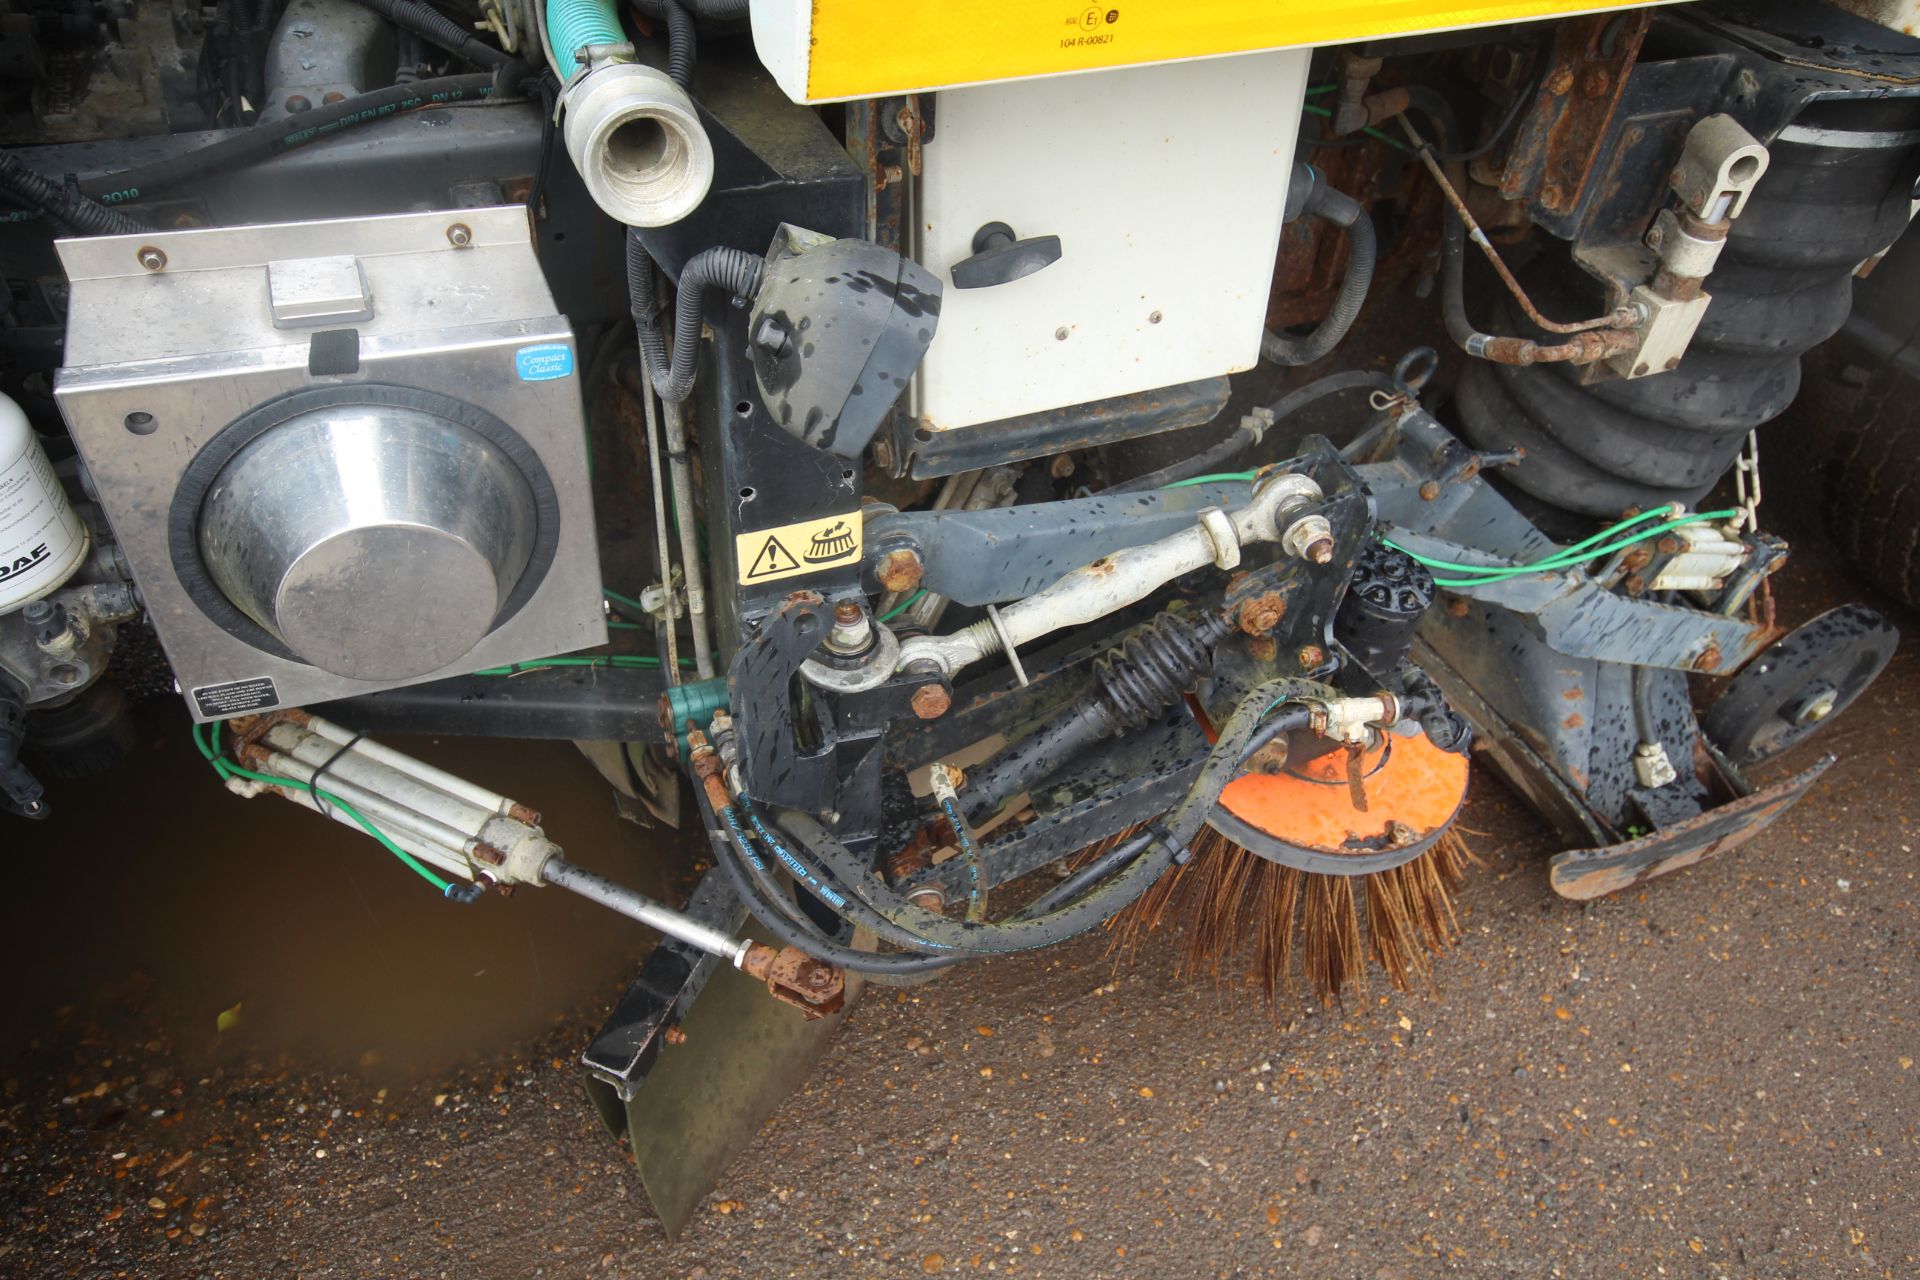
716, 10
733, 853
734, 270
263, 141
437, 29
83, 214
1342, 211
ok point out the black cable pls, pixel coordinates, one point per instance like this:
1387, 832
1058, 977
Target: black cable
722, 10
548, 88
681, 43
1283, 408
437, 29
313, 783
65, 203
262, 141
1507, 122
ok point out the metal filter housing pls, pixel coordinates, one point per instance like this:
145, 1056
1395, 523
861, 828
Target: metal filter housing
340, 456
374, 541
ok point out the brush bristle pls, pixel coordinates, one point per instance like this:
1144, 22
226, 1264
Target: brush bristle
1238, 905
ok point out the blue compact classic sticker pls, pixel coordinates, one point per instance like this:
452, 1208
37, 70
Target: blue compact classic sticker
547, 361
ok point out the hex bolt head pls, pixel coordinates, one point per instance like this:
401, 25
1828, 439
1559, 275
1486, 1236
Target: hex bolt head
771, 336
460, 235
151, 258
931, 701
1312, 657
901, 570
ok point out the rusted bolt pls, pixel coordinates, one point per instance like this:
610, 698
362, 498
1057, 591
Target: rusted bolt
1309, 538
1673, 364
1597, 82
930, 701
487, 855
1312, 657
1560, 81
1262, 614
1263, 648
1709, 659
1640, 370
1061, 467
332, 96
900, 571
1429, 490
297, 104
1669, 545
460, 235
676, 1036
1457, 606
1552, 196
1635, 584
150, 257
847, 613
883, 455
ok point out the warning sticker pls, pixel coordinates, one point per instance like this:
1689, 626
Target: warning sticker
807, 546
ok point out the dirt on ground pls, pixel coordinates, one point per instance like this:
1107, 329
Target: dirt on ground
240, 1045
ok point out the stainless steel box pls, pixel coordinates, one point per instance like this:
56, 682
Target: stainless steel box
182, 344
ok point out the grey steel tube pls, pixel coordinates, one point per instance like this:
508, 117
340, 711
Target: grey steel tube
637, 906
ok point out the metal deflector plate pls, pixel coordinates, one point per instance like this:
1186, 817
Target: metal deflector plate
1594, 873
704, 1100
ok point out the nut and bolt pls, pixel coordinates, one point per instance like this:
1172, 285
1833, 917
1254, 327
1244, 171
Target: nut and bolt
771, 336
1819, 709
851, 632
1312, 657
1561, 81
675, 1035
296, 104
1061, 467
1429, 490
931, 701
150, 258
900, 571
1309, 538
1668, 545
928, 899
460, 235
1260, 615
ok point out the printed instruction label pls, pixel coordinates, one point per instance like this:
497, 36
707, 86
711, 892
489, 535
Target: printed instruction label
236, 697
806, 546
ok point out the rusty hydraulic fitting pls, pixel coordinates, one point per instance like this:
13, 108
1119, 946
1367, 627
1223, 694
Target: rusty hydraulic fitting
793, 977
708, 768
1350, 111
901, 570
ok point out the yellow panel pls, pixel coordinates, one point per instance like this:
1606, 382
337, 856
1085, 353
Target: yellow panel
862, 48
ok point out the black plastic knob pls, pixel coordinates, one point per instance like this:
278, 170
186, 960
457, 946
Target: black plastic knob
999, 256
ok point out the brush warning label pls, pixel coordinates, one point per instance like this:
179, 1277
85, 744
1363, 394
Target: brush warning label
807, 546
220, 700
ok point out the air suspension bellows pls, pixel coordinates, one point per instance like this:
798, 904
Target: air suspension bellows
1835, 194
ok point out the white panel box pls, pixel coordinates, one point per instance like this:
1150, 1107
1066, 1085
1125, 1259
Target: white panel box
1165, 185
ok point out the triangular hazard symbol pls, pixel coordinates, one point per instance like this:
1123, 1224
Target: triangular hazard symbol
773, 558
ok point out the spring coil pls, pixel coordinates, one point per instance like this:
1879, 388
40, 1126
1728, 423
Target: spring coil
1140, 679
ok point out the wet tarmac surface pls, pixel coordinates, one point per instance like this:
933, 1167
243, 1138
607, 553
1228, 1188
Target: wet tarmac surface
1712, 1075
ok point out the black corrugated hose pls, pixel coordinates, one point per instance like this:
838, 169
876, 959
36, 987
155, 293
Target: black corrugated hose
1342, 211
63, 202
734, 270
681, 43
